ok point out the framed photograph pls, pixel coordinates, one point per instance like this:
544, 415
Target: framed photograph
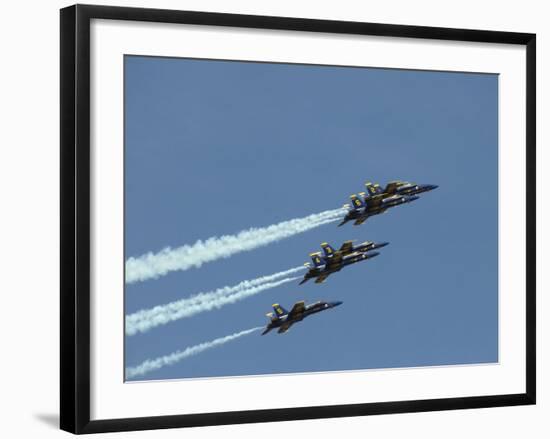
274, 218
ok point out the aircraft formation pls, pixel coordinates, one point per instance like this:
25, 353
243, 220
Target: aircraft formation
377, 200
373, 201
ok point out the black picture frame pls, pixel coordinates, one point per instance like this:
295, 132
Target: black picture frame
75, 217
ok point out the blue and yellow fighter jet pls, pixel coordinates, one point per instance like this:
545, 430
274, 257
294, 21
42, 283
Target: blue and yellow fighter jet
283, 319
377, 200
334, 260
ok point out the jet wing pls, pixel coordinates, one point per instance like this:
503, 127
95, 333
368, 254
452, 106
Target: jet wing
298, 308
320, 279
360, 221
347, 248
334, 261
285, 327
392, 186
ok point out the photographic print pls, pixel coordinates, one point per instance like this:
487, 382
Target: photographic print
293, 218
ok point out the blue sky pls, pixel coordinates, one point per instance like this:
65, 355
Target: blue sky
215, 147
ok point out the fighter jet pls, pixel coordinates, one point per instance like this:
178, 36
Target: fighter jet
377, 200
283, 319
406, 188
348, 248
334, 260
363, 206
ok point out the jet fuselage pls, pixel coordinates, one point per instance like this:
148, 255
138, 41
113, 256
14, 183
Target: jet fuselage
326, 269
297, 314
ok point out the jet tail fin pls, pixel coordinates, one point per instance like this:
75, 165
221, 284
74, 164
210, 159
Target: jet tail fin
356, 202
372, 189
279, 310
316, 259
327, 249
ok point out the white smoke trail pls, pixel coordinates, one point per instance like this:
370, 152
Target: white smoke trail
145, 324
175, 357
175, 307
147, 319
154, 265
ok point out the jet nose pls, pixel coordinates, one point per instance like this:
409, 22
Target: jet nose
430, 187
381, 244
337, 303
